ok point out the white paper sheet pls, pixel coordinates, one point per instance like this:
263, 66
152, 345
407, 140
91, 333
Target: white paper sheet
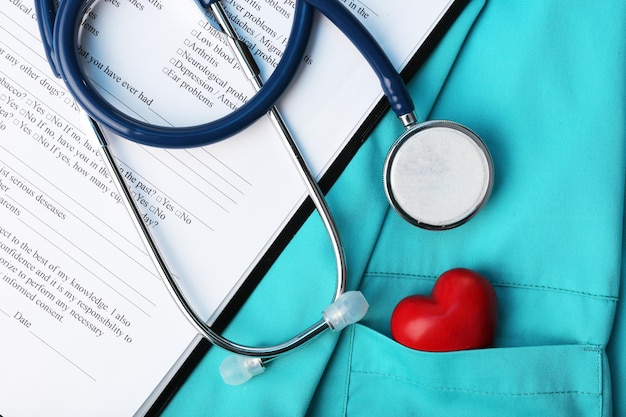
87, 327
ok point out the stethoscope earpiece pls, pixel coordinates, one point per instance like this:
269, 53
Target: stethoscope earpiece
438, 175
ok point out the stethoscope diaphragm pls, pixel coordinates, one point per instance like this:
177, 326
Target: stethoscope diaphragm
438, 175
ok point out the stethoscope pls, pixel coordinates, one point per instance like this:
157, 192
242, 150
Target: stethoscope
437, 175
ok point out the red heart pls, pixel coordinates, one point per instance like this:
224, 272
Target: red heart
460, 313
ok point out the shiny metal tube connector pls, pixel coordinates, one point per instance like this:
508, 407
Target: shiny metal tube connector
408, 119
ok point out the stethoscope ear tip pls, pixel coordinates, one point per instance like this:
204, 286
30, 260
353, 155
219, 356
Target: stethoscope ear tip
238, 369
438, 175
349, 308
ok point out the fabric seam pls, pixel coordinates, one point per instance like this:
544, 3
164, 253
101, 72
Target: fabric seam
349, 372
497, 283
467, 390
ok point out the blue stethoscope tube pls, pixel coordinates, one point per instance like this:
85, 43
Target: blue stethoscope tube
59, 28
60, 33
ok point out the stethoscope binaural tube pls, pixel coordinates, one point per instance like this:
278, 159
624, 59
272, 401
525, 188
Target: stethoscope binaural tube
346, 308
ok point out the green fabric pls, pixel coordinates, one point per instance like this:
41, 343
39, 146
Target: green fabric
544, 84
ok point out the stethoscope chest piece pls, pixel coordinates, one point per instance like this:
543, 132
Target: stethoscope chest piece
438, 175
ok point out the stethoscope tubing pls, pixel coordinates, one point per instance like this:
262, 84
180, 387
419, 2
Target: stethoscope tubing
60, 34
60, 39
391, 82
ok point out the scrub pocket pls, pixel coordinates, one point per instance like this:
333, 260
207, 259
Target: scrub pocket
384, 378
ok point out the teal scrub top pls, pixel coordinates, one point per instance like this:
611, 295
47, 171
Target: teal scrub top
543, 84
